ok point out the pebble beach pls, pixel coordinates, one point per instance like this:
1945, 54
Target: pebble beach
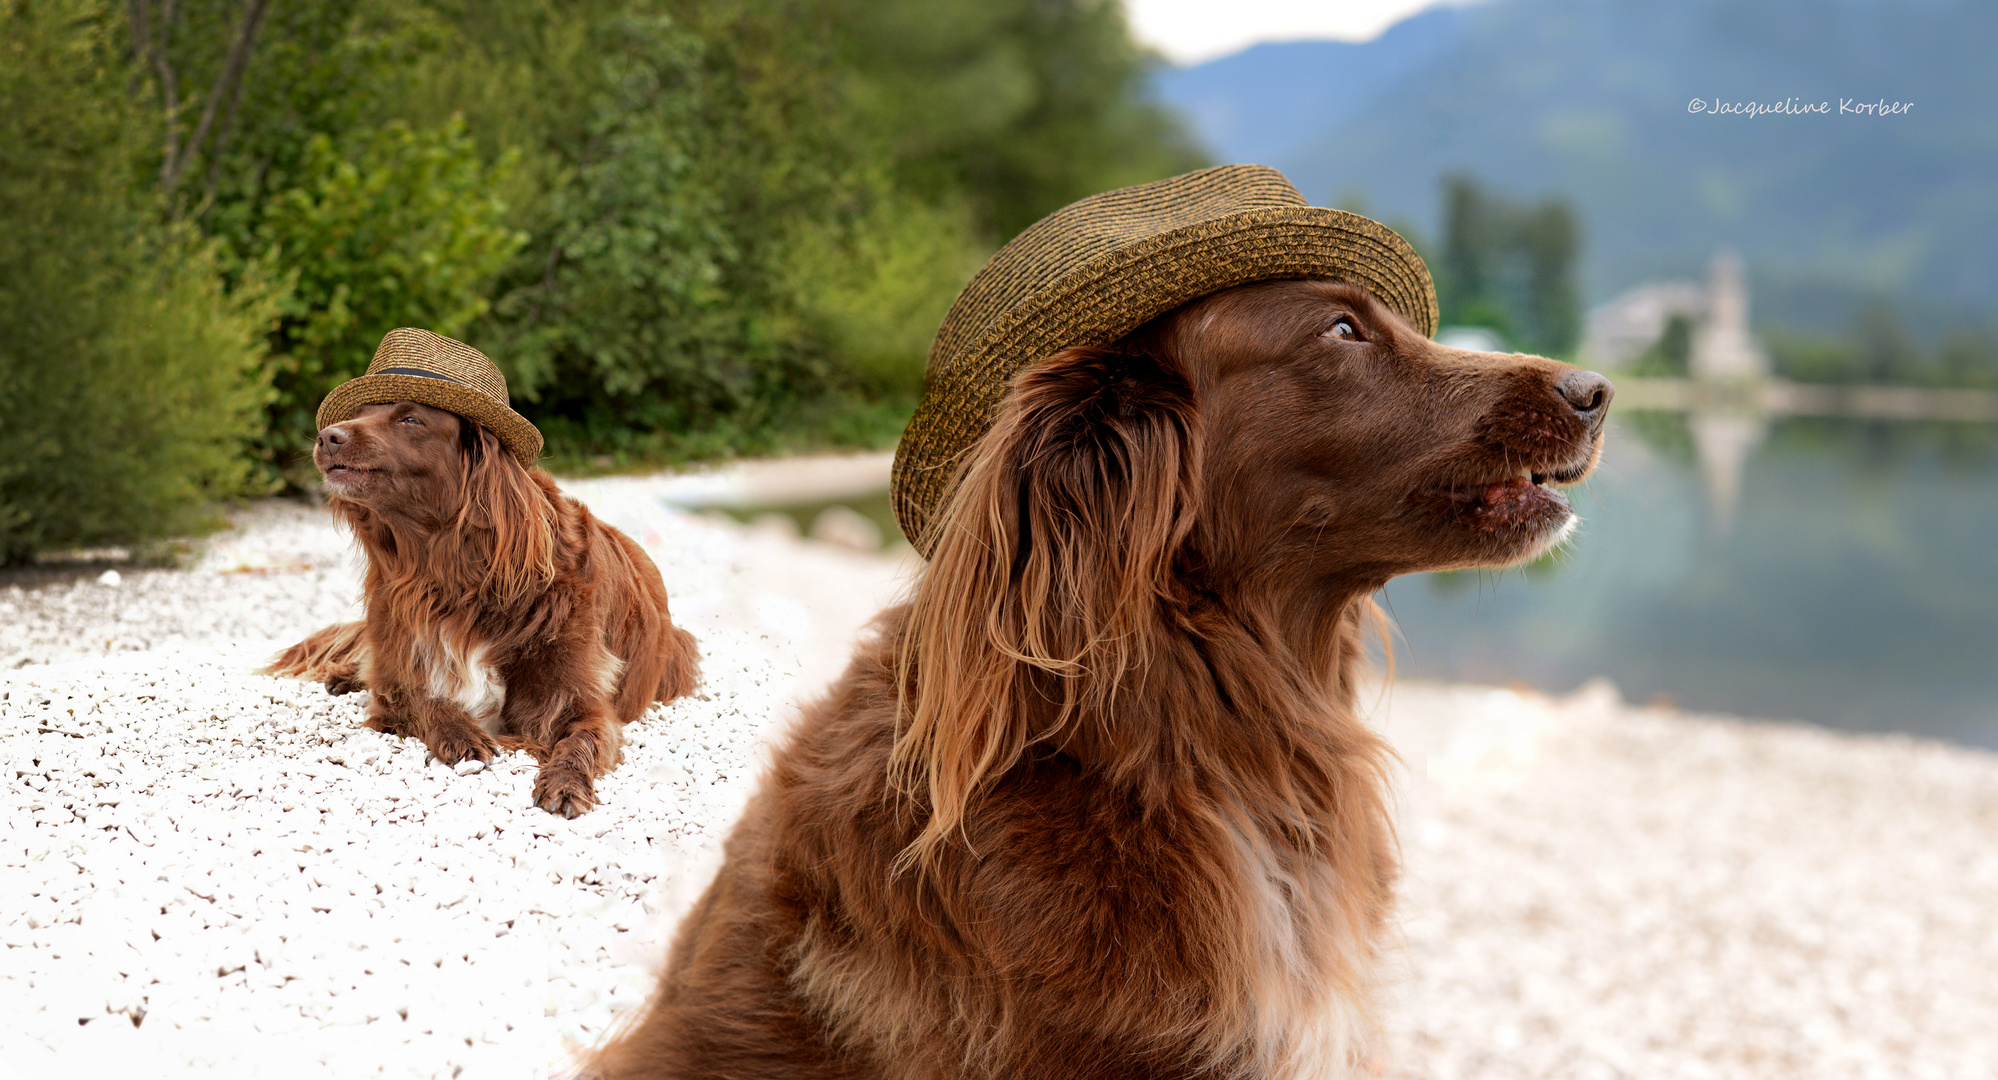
209, 872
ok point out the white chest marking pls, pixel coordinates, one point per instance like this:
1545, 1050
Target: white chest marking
1308, 1029
464, 677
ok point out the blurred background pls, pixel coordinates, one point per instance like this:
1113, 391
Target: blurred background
692, 230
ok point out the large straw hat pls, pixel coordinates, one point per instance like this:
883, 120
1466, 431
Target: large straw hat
1098, 269
430, 369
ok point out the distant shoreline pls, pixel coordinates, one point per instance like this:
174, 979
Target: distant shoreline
1780, 397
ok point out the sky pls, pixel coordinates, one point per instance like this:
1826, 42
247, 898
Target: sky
1190, 31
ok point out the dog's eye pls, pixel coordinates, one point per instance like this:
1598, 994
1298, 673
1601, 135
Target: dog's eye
1343, 330
412, 418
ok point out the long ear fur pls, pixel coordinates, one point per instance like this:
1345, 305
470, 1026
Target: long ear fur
501, 496
1050, 564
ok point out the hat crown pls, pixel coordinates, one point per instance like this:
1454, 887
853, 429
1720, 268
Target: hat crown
421, 350
1091, 228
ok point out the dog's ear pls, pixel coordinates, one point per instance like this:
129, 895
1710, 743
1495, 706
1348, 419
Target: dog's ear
508, 512
1048, 569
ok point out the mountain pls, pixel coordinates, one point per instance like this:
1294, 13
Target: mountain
1594, 100
1267, 102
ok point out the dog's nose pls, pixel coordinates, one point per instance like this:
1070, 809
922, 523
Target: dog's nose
335, 437
1589, 393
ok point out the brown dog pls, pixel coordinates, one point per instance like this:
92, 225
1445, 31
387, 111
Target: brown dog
499, 611
1097, 803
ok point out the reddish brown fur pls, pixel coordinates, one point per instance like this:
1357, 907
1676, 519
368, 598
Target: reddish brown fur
500, 612
1097, 802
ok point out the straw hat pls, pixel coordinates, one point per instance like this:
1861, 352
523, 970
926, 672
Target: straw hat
1097, 269
430, 369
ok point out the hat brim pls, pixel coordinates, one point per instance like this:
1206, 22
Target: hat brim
521, 438
1105, 299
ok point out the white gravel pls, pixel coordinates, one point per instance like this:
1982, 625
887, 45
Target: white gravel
1599, 891
206, 872
210, 872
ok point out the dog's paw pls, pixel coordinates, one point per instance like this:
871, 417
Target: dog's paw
344, 683
454, 748
564, 792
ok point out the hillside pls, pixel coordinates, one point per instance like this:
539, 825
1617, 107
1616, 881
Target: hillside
1591, 99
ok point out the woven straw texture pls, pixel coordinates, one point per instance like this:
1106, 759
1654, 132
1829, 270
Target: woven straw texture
456, 378
1095, 270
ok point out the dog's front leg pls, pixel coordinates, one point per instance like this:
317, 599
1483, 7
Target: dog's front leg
444, 726
588, 745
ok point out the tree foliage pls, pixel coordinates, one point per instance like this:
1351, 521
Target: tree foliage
1671, 356
654, 294
1878, 347
1016, 106
682, 227
1510, 266
743, 212
129, 382
399, 229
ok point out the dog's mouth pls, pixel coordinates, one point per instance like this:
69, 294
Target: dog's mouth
1523, 499
349, 478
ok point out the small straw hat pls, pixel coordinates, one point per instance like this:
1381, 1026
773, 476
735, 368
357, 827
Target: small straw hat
430, 369
1095, 270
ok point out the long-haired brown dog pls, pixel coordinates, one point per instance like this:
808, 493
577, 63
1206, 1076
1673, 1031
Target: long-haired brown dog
500, 612
1097, 802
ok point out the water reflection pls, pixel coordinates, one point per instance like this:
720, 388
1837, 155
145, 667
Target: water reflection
1723, 441
1832, 570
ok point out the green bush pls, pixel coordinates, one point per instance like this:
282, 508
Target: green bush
684, 228
749, 218
129, 381
398, 229
716, 256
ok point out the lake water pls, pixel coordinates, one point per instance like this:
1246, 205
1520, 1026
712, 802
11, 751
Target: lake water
1839, 572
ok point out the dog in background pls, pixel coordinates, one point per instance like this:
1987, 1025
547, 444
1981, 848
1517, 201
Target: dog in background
1098, 802
500, 612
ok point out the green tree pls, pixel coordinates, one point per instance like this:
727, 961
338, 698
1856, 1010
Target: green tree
1671, 356
130, 381
679, 225
1549, 241
1017, 107
1883, 350
1510, 266
1878, 348
280, 136
401, 229
1969, 358
718, 250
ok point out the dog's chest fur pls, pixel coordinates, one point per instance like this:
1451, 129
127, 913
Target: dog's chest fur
1304, 1027
461, 672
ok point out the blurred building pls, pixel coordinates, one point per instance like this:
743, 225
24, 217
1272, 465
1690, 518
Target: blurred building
1723, 347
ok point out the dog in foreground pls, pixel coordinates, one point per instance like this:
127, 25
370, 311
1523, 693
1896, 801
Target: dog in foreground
500, 612
1097, 802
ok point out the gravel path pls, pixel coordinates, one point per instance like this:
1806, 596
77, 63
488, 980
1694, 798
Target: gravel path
206, 872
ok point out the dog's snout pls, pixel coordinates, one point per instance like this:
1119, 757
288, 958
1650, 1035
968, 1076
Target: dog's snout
332, 439
1589, 393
